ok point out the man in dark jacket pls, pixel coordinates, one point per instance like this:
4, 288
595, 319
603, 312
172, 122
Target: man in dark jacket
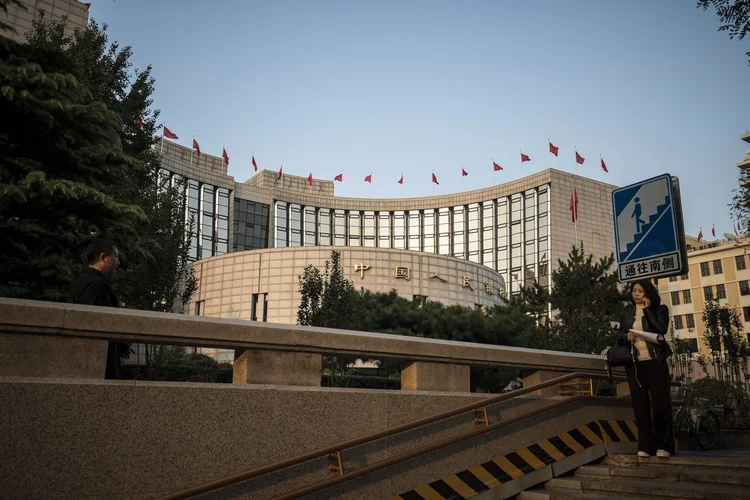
92, 288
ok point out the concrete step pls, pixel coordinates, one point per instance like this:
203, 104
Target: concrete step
667, 474
646, 488
702, 460
559, 495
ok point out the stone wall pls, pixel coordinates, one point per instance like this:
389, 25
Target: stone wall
72, 439
75, 12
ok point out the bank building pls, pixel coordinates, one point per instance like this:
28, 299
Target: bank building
253, 239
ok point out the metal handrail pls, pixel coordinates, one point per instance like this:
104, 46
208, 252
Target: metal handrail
321, 452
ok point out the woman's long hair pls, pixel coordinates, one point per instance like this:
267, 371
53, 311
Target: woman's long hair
651, 292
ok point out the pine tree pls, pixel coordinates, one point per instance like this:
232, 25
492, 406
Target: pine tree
588, 300
156, 274
61, 160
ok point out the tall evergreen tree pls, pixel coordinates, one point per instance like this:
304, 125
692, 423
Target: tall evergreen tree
588, 300
61, 161
155, 273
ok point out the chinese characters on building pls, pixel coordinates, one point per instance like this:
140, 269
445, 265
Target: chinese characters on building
404, 273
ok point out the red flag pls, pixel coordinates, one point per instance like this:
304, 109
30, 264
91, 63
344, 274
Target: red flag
139, 123
169, 135
713, 230
255, 165
369, 179
580, 159
225, 156
339, 178
88, 5
544, 257
524, 158
434, 179
553, 149
280, 169
498, 167
700, 235
196, 147
401, 180
604, 166
515, 276
309, 179
464, 173
574, 204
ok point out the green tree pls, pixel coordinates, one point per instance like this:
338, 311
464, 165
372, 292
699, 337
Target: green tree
739, 209
728, 350
61, 160
734, 14
588, 300
156, 274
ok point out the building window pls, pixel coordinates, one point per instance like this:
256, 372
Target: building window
281, 225
420, 299
684, 276
677, 321
444, 231
690, 320
415, 236
687, 297
428, 228
369, 224
324, 227
339, 228
744, 288
693, 345
260, 300
295, 224
355, 229
675, 298
384, 230
672, 279
739, 261
717, 267
708, 293
746, 314
721, 291
705, 271
250, 225
311, 227
199, 307
399, 230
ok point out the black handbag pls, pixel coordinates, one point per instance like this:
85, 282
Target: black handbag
619, 355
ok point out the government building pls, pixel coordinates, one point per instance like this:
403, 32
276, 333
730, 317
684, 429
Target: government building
253, 239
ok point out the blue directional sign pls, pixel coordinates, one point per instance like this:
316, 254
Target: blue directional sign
648, 229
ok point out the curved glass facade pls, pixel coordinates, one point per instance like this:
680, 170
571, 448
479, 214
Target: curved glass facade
508, 234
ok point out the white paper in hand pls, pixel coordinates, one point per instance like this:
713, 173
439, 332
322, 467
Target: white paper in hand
647, 336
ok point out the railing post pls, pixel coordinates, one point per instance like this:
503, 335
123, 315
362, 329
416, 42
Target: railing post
425, 376
261, 366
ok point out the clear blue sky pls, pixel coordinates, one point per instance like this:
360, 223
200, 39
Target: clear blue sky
392, 86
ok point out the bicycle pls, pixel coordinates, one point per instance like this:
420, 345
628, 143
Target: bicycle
697, 420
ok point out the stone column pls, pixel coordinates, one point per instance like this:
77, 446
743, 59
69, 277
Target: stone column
27, 355
539, 377
260, 366
623, 389
446, 377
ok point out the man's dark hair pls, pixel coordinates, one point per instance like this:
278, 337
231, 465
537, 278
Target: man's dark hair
99, 246
651, 292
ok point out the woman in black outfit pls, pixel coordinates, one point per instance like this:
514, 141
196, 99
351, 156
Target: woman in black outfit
648, 377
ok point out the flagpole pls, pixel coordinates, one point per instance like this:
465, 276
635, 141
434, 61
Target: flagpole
191, 151
162, 138
493, 171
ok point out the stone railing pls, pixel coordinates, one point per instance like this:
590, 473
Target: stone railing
43, 339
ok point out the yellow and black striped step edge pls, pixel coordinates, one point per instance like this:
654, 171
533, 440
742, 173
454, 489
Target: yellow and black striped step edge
515, 464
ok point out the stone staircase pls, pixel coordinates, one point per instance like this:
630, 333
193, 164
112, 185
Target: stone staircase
717, 475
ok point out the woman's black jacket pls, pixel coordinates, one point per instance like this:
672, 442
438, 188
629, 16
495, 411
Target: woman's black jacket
655, 320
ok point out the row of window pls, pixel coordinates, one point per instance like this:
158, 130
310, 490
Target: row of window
678, 323
250, 225
509, 234
739, 262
